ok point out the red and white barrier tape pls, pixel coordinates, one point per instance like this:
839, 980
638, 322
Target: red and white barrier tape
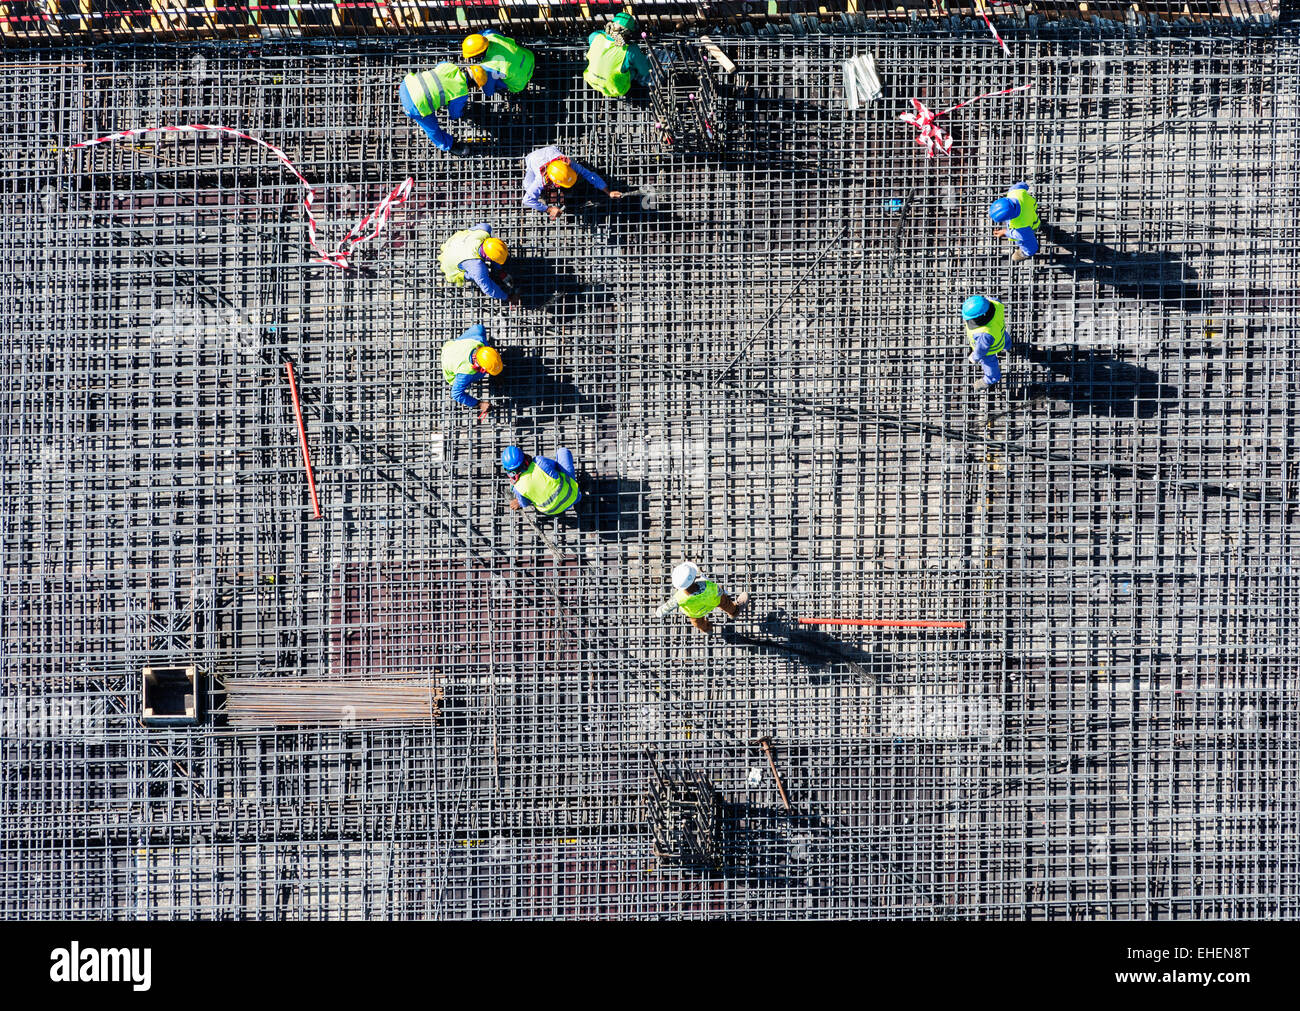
996, 36
339, 256
932, 137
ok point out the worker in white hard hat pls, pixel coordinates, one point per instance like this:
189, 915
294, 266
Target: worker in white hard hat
698, 597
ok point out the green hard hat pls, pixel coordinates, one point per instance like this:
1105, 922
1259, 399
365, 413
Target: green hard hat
624, 20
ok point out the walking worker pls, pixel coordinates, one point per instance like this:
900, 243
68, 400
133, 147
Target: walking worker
473, 253
423, 94
698, 598
503, 64
550, 486
1017, 212
549, 170
612, 61
465, 361
986, 329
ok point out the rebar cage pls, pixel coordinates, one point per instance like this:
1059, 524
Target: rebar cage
1112, 734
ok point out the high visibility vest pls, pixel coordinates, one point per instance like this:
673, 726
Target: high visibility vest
551, 495
508, 58
605, 71
697, 605
1028, 216
430, 90
460, 247
996, 328
456, 358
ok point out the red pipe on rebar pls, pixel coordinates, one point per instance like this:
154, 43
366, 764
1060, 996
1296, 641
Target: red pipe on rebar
302, 438
875, 623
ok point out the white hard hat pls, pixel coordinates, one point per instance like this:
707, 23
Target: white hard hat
685, 575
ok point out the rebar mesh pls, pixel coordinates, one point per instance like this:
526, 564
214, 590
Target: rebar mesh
1111, 736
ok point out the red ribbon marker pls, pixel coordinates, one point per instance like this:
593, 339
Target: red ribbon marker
932, 137
876, 623
336, 258
302, 438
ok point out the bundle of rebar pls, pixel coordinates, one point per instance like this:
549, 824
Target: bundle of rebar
279, 702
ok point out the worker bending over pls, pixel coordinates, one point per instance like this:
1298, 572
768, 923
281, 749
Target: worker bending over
423, 94
1017, 212
465, 361
550, 486
698, 598
503, 64
612, 61
547, 171
474, 254
986, 329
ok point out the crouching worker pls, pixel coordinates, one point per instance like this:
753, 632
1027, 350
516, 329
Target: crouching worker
698, 598
466, 361
549, 486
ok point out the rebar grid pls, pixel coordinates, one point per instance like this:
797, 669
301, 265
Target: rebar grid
1110, 737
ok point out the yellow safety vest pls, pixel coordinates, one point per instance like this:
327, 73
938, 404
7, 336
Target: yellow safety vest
697, 605
462, 246
456, 358
1028, 216
508, 58
605, 72
551, 495
996, 328
430, 90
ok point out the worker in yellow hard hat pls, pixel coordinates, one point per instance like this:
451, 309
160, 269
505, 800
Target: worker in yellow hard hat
503, 64
470, 254
467, 360
548, 171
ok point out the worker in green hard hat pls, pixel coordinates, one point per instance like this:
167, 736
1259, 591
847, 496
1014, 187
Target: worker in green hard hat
612, 61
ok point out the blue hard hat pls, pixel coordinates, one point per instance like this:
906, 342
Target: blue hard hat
974, 307
1003, 210
512, 458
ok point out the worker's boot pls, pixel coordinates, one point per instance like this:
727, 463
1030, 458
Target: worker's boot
982, 386
1017, 256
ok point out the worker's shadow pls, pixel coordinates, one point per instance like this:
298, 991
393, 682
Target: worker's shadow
613, 508
779, 636
1099, 384
539, 393
541, 283
1161, 277
515, 125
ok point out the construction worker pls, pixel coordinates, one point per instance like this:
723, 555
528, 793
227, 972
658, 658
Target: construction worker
986, 329
697, 598
473, 253
503, 64
613, 61
550, 486
1017, 212
422, 94
549, 170
465, 361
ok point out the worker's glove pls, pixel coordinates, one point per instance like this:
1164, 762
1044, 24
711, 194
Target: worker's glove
974, 359
662, 611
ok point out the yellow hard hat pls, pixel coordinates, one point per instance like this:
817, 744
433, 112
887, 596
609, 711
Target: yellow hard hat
489, 360
478, 74
495, 250
473, 45
561, 173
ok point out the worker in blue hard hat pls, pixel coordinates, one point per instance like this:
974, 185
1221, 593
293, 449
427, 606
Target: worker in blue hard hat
1017, 213
550, 486
986, 329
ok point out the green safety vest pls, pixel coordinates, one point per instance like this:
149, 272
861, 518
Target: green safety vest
605, 71
551, 495
1028, 216
430, 90
697, 605
462, 246
997, 327
456, 357
508, 58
